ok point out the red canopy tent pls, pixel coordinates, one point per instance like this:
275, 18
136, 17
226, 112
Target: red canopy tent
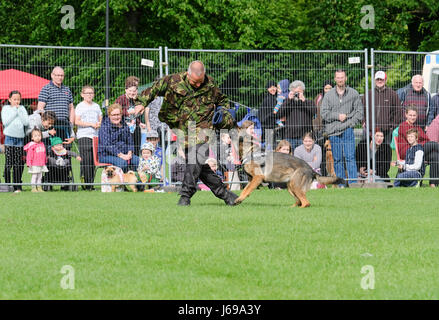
28, 84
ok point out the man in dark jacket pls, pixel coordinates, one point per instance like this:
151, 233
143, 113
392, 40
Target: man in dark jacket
414, 94
388, 111
190, 101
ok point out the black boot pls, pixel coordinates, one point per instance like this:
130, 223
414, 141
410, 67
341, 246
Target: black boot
184, 201
230, 199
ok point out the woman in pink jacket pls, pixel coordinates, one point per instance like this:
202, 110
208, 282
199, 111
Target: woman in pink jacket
36, 159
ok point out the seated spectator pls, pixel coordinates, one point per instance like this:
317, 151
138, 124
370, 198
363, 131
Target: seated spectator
310, 152
383, 157
213, 164
59, 163
229, 160
132, 119
284, 147
413, 165
431, 148
116, 145
150, 164
298, 113
249, 127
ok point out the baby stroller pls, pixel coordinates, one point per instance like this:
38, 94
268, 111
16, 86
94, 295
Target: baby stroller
60, 170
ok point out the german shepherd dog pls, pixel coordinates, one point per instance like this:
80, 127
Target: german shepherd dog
279, 167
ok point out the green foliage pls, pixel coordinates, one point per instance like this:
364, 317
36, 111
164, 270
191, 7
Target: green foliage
225, 24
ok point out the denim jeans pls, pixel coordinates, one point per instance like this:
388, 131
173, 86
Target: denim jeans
119, 162
407, 175
343, 148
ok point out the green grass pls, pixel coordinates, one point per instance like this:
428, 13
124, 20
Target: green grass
142, 246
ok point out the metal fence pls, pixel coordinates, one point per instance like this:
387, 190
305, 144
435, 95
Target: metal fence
241, 74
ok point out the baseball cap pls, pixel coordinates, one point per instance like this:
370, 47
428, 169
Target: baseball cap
380, 75
152, 134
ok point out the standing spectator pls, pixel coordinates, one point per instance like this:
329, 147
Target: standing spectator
36, 159
383, 157
130, 116
388, 110
317, 123
298, 113
88, 118
431, 148
56, 97
196, 106
115, 141
341, 111
413, 165
265, 112
433, 130
414, 94
15, 119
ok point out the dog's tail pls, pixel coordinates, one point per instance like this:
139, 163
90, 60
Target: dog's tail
329, 180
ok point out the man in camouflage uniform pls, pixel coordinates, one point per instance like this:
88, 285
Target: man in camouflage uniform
190, 100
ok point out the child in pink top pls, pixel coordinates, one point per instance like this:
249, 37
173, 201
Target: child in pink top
36, 159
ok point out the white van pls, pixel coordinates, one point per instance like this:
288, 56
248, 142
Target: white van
430, 72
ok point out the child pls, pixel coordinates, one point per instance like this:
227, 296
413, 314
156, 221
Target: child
60, 162
14, 118
284, 147
149, 163
36, 159
88, 118
413, 165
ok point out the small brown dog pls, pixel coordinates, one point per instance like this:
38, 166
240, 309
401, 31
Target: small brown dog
129, 177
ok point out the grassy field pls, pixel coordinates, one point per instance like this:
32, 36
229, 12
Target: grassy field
142, 246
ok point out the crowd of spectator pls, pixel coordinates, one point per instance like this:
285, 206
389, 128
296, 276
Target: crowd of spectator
406, 120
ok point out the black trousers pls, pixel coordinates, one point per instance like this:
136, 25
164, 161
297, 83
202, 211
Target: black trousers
431, 155
197, 169
14, 163
85, 146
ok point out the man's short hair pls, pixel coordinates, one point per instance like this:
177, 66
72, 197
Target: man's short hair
417, 76
297, 84
198, 71
340, 71
131, 81
57, 67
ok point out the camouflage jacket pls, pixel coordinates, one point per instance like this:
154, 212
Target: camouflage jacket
182, 103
